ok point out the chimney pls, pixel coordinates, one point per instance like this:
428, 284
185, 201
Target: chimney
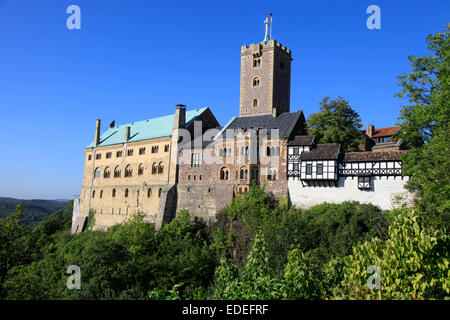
369, 130
179, 120
97, 132
127, 133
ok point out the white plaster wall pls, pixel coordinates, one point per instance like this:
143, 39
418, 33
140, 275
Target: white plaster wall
382, 194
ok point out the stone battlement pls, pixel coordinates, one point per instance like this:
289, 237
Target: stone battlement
263, 46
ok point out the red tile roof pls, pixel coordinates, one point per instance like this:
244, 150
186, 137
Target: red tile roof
383, 132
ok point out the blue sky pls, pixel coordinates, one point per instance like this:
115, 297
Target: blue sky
135, 60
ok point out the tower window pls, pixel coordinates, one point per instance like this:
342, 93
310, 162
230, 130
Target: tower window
256, 82
89, 157
195, 160
255, 102
256, 63
282, 65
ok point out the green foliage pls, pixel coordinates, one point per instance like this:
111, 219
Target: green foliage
33, 211
252, 282
414, 263
424, 126
336, 122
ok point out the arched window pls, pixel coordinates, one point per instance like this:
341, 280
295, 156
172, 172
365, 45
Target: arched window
224, 173
160, 168
117, 172
159, 192
254, 173
101, 193
126, 193
256, 63
141, 170
149, 193
256, 82
93, 194
114, 193
255, 102
272, 174
246, 150
97, 173
268, 151
128, 172
106, 173
154, 168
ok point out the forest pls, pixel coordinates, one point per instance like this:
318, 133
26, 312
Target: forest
261, 248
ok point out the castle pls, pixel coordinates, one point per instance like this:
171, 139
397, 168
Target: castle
186, 160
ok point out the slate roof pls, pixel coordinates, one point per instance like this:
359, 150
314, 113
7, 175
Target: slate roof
325, 151
285, 122
372, 156
301, 141
144, 130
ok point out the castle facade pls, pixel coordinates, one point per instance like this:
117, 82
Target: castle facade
186, 160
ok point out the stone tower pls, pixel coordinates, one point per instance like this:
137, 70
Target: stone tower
265, 79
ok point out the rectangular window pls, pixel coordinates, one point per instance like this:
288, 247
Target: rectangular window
364, 182
98, 156
141, 151
195, 160
108, 155
296, 166
319, 168
166, 148
89, 157
387, 139
309, 169
119, 154
296, 150
130, 152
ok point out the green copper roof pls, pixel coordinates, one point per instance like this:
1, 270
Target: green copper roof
144, 130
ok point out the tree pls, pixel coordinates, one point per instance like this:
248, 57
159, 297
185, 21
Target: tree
12, 249
336, 122
424, 126
413, 263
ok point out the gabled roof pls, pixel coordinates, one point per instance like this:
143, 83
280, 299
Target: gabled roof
325, 151
301, 141
383, 132
144, 130
372, 156
285, 122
